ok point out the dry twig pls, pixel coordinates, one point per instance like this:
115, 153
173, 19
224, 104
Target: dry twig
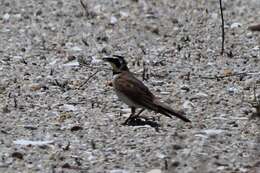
229, 75
88, 79
256, 103
222, 26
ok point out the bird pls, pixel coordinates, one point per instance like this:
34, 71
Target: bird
134, 93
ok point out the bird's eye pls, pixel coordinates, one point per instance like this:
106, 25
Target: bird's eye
120, 61
118, 64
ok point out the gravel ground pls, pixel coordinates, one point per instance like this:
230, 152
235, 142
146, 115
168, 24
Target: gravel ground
59, 115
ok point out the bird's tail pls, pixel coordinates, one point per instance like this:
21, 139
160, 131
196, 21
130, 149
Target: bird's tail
167, 111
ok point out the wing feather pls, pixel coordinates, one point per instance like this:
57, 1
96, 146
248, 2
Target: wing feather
136, 91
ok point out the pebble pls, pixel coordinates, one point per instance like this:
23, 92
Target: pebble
68, 107
249, 35
214, 16
126, 110
164, 93
18, 16
55, 61
160, 155
256, 48
95, 60
155, 171
113, 20
123, 14
232, 90
118, 171
35, 87
188, 105
200, 95
6, 17
235, 25
249, 82
76, 48
211, 132
71, 64
185, 88
17, 57
28, 142
175, 163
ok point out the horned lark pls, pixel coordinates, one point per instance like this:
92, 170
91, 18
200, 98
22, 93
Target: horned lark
134, 93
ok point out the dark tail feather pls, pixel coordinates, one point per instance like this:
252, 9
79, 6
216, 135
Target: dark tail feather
167, 111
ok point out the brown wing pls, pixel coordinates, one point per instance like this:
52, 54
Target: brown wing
136, 91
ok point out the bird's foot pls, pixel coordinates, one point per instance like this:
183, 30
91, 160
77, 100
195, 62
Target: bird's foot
141, 121
129, 121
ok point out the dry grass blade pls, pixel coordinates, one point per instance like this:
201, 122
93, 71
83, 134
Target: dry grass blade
88, 79
83, 5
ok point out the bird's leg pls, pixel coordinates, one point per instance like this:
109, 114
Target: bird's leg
139, 112
134, 116
145, 118
131, 116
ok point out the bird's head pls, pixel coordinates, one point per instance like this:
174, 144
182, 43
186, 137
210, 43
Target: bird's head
118, 63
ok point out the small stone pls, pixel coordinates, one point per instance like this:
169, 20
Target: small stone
164, 93
175, 163
113, 20
76, 48
30, 127
71, 64
155, 171
18, 57
38, 12
5, 109
126, 110
235, 25
95, 60
227, 72
123, 14
63, 116
214, 16
33, 143
118, 171
6, 17
55, 61
212, 132
188, 105
35, 87
66, 166
160, 155
68, 107
177, 147
200, 95
249, 35
76, 128
185, 88
17, 155
18, 16
248, 83
246, 111
256, 48
232, 90
153, 28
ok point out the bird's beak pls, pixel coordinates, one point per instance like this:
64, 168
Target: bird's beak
107, 59
111, 61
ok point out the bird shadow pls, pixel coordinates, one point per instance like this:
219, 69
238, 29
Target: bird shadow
142, 121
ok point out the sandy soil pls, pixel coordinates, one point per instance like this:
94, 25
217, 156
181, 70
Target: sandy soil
59, 115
